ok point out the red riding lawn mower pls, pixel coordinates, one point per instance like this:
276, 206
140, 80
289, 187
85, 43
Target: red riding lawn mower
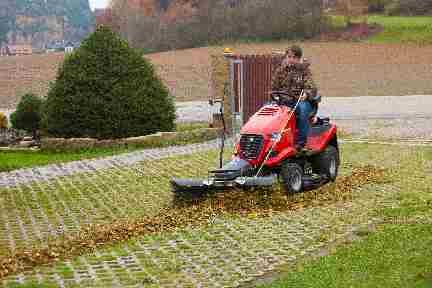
266, 155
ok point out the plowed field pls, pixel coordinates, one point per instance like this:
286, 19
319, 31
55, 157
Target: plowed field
340, 68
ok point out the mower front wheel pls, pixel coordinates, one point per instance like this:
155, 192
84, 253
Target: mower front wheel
292, 177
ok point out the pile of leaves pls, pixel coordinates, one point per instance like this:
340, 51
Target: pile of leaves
188, 214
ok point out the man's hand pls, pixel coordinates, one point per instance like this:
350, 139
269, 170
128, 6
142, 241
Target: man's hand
303, 97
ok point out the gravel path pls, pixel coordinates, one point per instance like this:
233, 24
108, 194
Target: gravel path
366, 116
186, 111
384, 116
22, 176
377, 107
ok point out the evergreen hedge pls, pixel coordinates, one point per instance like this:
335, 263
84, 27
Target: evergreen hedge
106, 90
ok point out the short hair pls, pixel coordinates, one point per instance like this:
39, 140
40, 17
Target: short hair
296, 50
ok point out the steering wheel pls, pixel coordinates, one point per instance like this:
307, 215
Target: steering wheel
276, 95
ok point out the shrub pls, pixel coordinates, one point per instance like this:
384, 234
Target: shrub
104, 90
28, 114
377, 6
3, 121
409, 7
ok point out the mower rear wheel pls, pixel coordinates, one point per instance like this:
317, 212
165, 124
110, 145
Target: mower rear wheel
327, 163
292, 177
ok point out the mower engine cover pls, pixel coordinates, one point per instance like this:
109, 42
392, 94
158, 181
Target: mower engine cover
262, 130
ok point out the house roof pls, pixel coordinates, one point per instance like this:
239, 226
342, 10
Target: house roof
19, 48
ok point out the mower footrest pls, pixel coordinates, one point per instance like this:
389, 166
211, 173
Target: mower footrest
313, 181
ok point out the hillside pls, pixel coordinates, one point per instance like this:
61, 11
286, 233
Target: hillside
340, 68
39, 22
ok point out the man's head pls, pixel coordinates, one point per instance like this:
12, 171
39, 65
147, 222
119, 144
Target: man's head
293, 55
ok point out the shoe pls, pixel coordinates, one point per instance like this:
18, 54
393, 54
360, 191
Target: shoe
300, 148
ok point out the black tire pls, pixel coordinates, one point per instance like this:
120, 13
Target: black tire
292, 177
327, 163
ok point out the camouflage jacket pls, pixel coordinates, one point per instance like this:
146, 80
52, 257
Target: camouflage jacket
293, 79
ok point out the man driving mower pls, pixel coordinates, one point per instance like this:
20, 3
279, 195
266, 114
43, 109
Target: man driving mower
295, 78
269, 149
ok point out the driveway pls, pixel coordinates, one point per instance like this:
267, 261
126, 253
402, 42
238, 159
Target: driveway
366, 116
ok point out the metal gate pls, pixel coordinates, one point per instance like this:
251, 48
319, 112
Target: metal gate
250, 81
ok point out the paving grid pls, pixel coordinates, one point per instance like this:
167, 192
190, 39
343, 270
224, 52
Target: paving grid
229, 252
21, 176
33, 210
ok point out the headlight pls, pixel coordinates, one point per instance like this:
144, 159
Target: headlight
275, 136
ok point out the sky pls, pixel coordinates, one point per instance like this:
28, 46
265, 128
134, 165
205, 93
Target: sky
98, 4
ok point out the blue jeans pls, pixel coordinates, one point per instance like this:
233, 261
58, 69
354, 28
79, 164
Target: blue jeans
303, 111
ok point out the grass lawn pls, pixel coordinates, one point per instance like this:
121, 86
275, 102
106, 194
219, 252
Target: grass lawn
396, 29
402, 29
33, 285
397, 253
395, 256
11, 160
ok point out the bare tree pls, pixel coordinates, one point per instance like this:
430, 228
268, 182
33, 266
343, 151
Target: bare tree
191, 23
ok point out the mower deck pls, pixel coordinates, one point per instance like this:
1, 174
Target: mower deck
196, 188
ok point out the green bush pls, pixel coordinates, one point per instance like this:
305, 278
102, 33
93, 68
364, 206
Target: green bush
106, 90
28, 114
409, 7
3, 121
377, 6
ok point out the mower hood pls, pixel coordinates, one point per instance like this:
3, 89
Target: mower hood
266, 121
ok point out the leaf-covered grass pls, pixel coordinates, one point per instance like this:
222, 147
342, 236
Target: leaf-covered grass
16, 159
397, 29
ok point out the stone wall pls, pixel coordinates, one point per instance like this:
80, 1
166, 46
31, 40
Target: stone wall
10, 136
148, 141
